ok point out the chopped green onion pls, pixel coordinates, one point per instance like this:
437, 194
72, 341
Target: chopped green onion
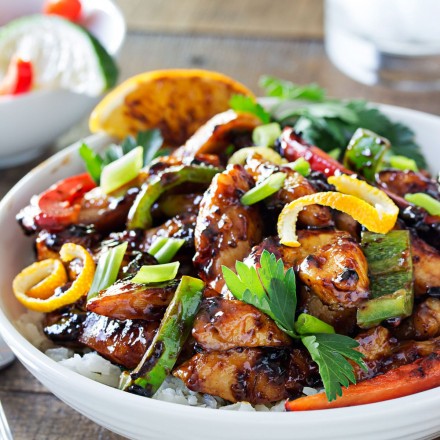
121, 171
266, 135
403, 163
301, 166
168, 250
307, 324
241, 155
424, 201
156, 273
265, 189
93, 162
157, 245
107, 269
335, 153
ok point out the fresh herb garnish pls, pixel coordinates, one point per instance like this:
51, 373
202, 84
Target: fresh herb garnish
330, 352
330, 123
150, 140
279, 88
273, 291
241, 103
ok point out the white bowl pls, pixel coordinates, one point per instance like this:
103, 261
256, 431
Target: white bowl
30, 122
412, 417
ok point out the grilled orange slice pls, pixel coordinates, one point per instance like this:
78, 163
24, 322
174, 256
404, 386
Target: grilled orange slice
176, 101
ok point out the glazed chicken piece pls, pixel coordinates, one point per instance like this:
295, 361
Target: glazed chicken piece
423, 324
225, 230
342, 319
383, 352
218, 133
404, 182
121, 342
330, 263
222, 324
254, 375
180, 226
295, 186
336, 269
127, 300
48, 244
426, 264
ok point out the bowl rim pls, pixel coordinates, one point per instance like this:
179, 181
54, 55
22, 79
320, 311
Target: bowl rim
23, 348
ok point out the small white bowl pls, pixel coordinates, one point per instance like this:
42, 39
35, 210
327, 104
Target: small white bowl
411, 417
30, 122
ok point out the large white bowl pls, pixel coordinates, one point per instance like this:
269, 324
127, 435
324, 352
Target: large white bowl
412, 417
30, 122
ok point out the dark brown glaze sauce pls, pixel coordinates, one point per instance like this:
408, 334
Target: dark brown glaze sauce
122, 342
222, 324
225, 230
127, 300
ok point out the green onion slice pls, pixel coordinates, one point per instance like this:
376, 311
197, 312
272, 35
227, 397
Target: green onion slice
266, 135
157, 245
307, 324
424, 201
265, 189
107, 269
156, 273
121, 171
301, 166
403, 163
168, 250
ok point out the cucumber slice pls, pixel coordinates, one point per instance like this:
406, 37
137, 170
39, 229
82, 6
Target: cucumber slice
64, 55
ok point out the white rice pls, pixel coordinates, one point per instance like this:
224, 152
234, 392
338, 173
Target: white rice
95, 367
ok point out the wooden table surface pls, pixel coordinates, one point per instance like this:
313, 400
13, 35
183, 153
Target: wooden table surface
33, 412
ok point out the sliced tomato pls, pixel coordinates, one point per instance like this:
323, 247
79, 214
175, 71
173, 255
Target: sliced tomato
70, 9
60, 204
18, 79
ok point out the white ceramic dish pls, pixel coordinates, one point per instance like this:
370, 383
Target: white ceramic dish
30, 122
412, 417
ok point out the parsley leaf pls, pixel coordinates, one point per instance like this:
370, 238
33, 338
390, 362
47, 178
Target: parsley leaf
150, 140
330, 123
241, 103
268, 288
288, 90
273, 292
330, 352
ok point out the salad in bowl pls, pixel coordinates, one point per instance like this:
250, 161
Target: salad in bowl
227, 254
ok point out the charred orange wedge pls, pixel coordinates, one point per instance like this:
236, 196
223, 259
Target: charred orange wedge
176, 101
368, 205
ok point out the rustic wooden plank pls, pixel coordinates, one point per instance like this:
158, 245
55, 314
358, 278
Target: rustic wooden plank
44, 417
279, 19
15, 378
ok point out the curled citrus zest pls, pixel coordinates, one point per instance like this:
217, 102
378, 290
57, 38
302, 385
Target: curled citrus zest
40, 279
32, 278
54, 276
368, 205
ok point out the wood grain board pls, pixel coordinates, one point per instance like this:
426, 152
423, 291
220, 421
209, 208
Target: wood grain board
268, 18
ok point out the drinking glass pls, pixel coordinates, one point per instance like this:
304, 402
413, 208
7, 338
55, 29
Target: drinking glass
395, 43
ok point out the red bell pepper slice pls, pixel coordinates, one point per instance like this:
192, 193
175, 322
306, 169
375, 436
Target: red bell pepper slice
60, 204
293, 147
418, 376
18, 79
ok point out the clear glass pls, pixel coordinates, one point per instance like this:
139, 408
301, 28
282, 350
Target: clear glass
395, 43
